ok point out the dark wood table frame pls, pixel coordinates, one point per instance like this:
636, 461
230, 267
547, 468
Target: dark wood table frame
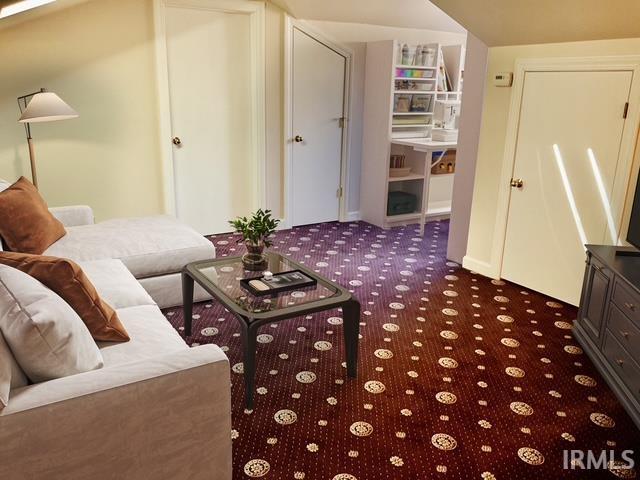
251, 322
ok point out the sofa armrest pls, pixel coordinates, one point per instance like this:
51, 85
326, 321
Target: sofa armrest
73, 216
159, 418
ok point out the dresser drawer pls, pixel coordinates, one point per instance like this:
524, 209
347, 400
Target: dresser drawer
625, 331
620, 360
627, 300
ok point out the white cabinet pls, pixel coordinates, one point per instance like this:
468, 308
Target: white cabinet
401, 92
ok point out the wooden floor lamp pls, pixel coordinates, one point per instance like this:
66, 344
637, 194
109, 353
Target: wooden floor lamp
41, 106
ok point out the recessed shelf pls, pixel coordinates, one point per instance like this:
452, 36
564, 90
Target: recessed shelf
415, 67
411, 125
416, 79
404, 217
412, 113
413, 176
416, 92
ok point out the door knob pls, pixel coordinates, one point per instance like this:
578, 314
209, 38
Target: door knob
516, 183
298, 138
176, 141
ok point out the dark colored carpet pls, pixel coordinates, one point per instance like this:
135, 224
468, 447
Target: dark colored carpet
460, 377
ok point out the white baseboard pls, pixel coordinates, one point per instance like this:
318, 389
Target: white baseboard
283, 225
479, 266
353, 216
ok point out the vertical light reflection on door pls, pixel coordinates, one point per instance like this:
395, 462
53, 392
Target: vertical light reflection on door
569, 193
606, 204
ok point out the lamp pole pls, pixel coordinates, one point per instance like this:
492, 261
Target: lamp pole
22, 104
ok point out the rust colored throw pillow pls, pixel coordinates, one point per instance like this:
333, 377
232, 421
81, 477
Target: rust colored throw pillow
67, 279
26, 224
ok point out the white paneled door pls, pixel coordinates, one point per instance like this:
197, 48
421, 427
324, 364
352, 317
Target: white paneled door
567, 151
318, 88
210, 71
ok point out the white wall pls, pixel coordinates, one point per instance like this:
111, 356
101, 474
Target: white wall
475, 71
274, 109
354, 36
492, 139
99, 57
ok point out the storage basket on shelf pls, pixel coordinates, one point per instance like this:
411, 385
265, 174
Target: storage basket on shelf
400, 203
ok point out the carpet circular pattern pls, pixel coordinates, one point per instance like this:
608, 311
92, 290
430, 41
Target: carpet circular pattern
460, 376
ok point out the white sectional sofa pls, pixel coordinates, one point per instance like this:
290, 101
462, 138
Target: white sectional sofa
157, 409
153, 248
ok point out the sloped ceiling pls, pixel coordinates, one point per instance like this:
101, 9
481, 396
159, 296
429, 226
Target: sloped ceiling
35, 12
394, 13
521, 22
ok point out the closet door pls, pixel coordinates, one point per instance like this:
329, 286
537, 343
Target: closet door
211, 91
317, 85
568, 144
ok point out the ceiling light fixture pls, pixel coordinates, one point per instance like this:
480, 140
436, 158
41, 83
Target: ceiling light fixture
18, 7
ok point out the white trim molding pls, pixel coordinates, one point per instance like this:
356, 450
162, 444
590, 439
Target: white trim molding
478, 266
256, 11
291, 24
629, 63
353, 216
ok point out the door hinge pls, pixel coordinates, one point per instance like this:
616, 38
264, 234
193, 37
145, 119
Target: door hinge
339, 192
626, 109
341, 122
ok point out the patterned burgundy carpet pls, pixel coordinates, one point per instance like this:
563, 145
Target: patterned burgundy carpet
460, 377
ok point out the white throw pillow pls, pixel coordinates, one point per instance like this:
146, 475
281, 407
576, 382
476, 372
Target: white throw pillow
47, 337
4, 184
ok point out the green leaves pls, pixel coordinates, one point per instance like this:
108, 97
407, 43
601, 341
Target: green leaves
256, 229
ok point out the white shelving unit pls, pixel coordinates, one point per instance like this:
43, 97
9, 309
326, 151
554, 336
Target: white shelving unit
393, 93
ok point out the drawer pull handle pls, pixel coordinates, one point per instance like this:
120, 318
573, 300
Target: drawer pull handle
620, 362
630, 306
625, 335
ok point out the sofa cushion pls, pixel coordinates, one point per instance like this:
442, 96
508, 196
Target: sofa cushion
115, 284
27, 225
11, 375
148, 246
66, 278
46, 336
151, 335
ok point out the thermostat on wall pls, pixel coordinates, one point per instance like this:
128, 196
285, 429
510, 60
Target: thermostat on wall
503, 79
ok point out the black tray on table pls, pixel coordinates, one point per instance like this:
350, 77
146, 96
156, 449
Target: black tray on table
280, 282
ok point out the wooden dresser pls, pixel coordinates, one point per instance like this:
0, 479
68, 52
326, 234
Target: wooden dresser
608, 323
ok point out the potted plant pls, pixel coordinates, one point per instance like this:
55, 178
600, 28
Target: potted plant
255, 233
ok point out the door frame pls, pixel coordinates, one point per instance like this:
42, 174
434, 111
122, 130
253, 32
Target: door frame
256, 12
627, 145
290, 25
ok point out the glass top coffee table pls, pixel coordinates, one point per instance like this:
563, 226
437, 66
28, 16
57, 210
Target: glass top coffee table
221, 278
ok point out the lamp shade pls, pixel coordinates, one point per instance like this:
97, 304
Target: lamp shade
46, 107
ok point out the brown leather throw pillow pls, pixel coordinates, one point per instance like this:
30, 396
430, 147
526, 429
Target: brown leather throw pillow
26, 224
67, 279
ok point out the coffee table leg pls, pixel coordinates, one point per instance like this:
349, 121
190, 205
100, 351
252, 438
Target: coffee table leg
187, 300
249, 366
351, 314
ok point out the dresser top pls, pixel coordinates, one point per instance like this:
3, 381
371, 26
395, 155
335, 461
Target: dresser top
626, 266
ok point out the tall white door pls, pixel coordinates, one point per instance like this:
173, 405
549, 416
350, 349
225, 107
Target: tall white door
210, 88
567, 151
318, 76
